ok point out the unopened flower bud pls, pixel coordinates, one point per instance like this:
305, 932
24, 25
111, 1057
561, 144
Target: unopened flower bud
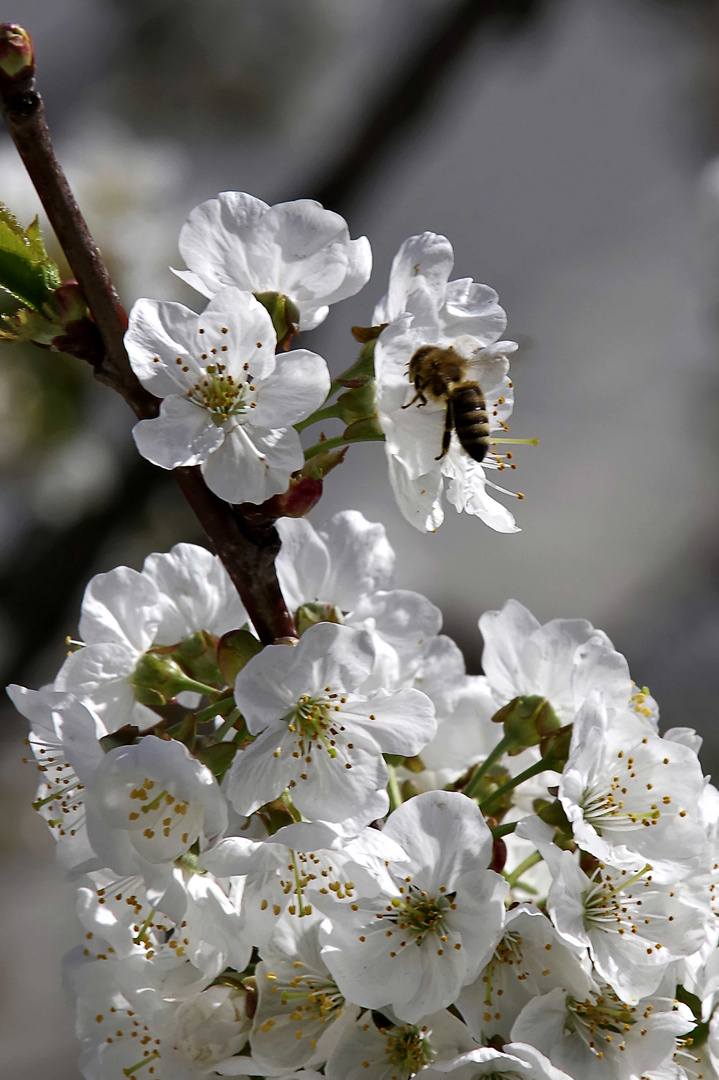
197, 655
157, 679
234, 649
527, 721
70, 303
309, 614
17, 61
285, 316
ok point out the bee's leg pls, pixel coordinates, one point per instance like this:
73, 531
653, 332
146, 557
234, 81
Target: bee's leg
448, 427
418, 394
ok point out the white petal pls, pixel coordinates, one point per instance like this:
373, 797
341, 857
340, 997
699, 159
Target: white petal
183, 434
418, 499
253, 463
159, 328
299, 385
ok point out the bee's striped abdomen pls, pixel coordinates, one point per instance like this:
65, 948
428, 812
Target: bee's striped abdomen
471, 421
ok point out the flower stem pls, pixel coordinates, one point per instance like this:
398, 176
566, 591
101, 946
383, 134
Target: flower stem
474, 785
393, 789
543, 765
218, 709
338, 440
525, 865
330, 412
504, 829
228, 725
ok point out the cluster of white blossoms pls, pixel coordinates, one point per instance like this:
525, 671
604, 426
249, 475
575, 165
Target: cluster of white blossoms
339, 855
347, 857
234, 405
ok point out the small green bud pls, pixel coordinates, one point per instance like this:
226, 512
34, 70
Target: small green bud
234, 649
157, 680
359, 403
197, 655
17, 60
310, 614
555, 745
527, 720
285, 316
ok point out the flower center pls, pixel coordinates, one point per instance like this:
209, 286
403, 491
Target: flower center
221, 394
315, 722
408, 1048
420, 915
600, 1021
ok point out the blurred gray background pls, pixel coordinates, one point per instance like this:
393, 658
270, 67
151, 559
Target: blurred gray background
567, 149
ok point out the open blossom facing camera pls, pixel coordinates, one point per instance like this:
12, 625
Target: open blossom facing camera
297, 249
444, 334
229, 401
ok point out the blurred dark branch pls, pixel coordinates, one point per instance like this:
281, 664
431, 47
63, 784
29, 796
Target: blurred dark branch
409, 93
247, 546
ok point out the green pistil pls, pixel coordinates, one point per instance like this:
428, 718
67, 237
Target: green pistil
606, 1013
147, 807
421, 915
59, 794
220, 394
143, 929
141, 1064
311, 718
298, 885
408, 1048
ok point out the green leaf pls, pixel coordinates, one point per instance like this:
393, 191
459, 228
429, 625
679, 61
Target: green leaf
26, 270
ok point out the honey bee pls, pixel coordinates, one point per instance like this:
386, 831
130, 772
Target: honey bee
442, 375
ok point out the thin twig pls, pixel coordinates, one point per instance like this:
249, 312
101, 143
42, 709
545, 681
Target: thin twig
247, 548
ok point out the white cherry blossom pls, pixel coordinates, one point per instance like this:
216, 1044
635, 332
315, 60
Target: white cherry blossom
423, 307
317, 733
564, 660
600, 1037
346, 568
126, 613
297, 249
530, 959
632, 797
396, 1050
229, 401
436, 925
299, 1003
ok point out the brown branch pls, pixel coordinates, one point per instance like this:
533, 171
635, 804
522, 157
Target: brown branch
247, 548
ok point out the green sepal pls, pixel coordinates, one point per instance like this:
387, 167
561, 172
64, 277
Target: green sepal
527, 721
310, 614
318, 466
218, 757
552, 813
412, 764
234, 649
285, 316
363, 368
124, 736
359, 403
157, 680
197, 655
26, 270
368, 430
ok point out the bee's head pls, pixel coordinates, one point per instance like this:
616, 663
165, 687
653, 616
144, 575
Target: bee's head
417, 360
